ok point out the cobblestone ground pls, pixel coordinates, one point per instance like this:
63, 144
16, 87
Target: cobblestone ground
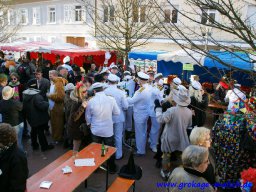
96, 183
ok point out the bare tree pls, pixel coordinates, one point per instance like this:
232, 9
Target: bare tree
122, 25
200, 24
8, 24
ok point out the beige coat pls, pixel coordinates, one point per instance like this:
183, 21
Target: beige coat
177, 119
188, 182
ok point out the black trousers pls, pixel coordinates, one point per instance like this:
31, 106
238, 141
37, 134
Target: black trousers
38, 132
107, 141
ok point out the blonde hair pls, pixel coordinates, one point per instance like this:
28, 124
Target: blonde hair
78, 89
198, 135
195, 93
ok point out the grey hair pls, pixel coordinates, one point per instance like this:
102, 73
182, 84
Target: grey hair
198, 135
54, 72
194, 155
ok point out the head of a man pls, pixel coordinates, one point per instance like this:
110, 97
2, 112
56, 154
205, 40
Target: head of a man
93, 67
63, 72
53, 74
38, 74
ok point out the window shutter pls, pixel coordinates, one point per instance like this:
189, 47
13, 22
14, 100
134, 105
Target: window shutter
105, 14
174, 16
26, 16
83, 14
66, 14
36, 16
72, 13
11, 18
167, 15
112, 13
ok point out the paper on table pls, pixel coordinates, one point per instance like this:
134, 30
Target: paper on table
46, 184
84, 162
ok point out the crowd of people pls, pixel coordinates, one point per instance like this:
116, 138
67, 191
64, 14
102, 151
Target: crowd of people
103, 106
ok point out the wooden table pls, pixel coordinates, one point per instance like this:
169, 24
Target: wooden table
217, 106
69, 182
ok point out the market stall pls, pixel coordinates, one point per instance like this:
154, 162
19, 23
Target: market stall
185, 63
78, 55
144, 60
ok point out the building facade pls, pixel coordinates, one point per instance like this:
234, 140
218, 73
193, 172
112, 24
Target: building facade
52, 21
68, 21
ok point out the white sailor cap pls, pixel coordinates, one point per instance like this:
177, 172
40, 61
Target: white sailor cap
66, 59
113, 78
143, 76
127, 77
176, 81
196, 85
113, 66
161, 82
158, 75
237, 85
127, 73
104, 70
97, 85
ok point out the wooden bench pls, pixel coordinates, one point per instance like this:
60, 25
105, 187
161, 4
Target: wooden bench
34, 178
121, 185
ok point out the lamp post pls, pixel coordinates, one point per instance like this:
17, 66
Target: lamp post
207, 34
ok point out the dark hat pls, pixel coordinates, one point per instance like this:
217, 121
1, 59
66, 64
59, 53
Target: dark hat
130, 170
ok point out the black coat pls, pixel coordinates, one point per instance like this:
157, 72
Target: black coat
76, 118
11, 111
43, 87
199, 108
1, 89
35, 108
14, 168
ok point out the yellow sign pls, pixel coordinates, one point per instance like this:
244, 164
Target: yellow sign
188, 67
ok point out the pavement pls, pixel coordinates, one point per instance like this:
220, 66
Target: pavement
96, 182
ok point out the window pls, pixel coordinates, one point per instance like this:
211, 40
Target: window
52, 14
23, 16
74, 14
139, 13
1, 18
171, 15
24, 39
108, 13
135, 11
208, 16
251, 15
11, 17
52, 39
36, 16
37, 38
78, 13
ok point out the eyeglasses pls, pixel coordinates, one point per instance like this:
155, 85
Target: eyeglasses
14, 79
